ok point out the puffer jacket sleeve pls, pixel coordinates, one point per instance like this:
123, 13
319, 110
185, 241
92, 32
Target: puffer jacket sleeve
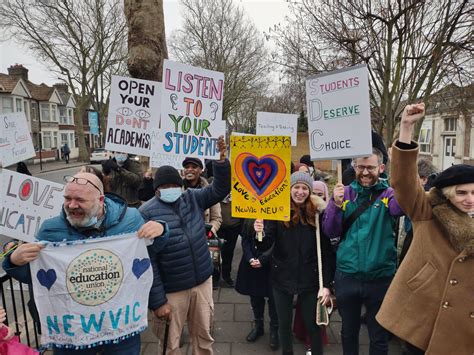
218, 189
332, 220
157, 296
20, 273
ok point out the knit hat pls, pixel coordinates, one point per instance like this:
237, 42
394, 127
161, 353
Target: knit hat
319, 185
455, 175
301, 177
167, 175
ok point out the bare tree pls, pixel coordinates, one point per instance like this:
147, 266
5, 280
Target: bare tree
410, 47
146, 38
217, 35
79, 40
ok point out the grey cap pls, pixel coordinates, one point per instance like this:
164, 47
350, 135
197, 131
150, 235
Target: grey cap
300, 177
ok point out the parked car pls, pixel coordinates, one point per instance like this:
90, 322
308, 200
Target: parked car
99, 154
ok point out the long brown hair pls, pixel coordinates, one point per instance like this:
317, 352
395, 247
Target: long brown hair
305, 213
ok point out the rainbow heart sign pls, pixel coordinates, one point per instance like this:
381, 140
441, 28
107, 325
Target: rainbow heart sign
261, 177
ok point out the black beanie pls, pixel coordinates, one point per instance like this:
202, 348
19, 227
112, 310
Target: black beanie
455, 175
167, 175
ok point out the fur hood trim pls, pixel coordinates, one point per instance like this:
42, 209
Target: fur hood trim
459, 226
319, 203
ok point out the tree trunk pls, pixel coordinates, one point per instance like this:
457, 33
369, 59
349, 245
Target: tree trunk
146, 38
82, 103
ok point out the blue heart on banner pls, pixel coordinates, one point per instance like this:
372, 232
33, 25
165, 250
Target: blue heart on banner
140, 266
46, 278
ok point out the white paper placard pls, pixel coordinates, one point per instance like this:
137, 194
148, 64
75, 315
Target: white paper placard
191, 113
339, 114
278, 124
134, 114
26, 202
15, 139
92, 292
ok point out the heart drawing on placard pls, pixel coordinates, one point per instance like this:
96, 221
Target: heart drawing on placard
260, 175
46, 278
140, 266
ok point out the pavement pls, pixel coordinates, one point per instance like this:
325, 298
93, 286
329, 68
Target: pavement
233, 314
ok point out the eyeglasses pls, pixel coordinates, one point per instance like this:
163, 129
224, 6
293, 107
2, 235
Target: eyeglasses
370, 168
81, 181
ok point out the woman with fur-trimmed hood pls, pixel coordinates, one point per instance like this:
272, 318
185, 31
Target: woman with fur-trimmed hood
430, 303
294, 261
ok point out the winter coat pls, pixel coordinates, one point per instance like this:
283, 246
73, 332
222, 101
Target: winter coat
126, 181
185, 261
367, 250
430, 302
212, 215
251, 281
146, 190
294, 260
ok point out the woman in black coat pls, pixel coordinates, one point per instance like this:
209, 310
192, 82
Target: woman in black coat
253, 279
294, 269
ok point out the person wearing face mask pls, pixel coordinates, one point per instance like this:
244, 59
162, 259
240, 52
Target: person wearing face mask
363, 215
182, 286
87, 213
123, 176
294, 263
430, 302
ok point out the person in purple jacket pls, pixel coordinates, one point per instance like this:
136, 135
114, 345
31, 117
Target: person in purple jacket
366, 257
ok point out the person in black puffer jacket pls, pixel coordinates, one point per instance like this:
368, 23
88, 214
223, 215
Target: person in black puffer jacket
182, 286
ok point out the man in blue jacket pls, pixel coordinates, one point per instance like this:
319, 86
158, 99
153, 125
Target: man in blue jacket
86, 213
182, 269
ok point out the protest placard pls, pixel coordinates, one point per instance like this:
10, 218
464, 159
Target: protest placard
26, 202
339, 114
277, 124
191, 114
92, 291
93, 118
15, 139
134, 115
261, 177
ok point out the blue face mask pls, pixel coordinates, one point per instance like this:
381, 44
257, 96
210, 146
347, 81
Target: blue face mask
171, 194
120, 159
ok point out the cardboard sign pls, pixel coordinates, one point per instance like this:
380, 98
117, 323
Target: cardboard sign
339, 114
15, 139
92, 291
191, 113
133, 117
261, 177
277, 124
26, 202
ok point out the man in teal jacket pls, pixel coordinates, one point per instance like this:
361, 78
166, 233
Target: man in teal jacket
87, 213
366, 257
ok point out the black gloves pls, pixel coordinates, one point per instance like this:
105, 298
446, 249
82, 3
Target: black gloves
109, 165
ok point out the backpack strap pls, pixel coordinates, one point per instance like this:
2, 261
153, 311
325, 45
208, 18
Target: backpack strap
347, 223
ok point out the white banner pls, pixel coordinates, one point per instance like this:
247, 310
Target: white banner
26, 202
191, 114
15, 139
277, 124
134, 115
339, 114
92, 291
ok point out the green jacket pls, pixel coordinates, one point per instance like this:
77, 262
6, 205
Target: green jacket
367, 251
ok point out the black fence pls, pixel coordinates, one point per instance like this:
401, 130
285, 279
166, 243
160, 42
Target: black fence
15, 304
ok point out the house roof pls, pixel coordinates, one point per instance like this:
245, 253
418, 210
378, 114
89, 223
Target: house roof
7, 83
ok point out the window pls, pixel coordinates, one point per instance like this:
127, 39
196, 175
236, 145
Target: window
55, 139
64, 138
7, 104
54, 113
450, 124
72, 140
44, 112
62, 115
70, 117
27, 111
19, 105
46, 139
34, 111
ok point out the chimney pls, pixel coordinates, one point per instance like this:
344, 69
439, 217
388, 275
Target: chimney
18, 71
62, 88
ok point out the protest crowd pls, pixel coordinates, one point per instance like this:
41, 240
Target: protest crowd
321, 249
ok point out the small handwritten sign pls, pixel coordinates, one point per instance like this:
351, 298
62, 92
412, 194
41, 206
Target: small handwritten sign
15, 139
278, 124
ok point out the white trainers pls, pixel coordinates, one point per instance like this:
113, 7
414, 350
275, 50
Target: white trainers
308, 352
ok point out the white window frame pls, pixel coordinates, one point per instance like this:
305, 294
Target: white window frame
18, 104
46, 135
70, 116
54, 113
5, 108
43, 109
63, 115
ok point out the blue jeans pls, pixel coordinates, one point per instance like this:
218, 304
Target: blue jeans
129, 346
351, 294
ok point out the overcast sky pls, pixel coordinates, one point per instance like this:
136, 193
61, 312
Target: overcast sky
264, 13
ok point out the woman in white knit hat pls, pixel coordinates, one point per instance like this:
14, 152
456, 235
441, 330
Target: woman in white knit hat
294, 262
